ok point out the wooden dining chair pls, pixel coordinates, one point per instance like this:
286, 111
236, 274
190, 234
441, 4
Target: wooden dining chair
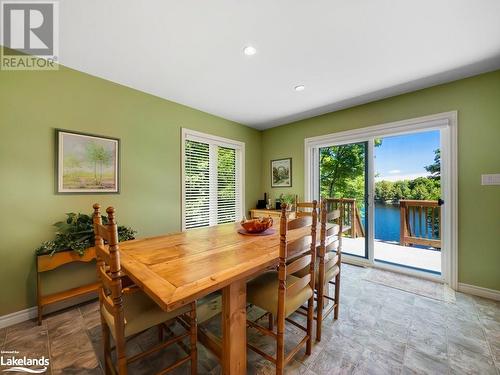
126, 311
329, 264
280, 293
302, 208
327, 270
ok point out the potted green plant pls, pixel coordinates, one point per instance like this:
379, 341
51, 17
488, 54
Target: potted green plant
76, 233
288, 199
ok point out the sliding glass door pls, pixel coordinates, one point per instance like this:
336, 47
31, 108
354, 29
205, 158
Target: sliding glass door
403, 174
393, 183
408, 202
343, 172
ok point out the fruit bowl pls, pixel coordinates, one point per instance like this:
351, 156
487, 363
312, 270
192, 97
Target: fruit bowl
257, 225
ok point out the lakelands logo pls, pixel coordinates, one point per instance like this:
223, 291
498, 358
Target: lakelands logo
30, 35
23, 364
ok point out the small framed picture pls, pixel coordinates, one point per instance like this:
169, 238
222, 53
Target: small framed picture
86, 163
281, 173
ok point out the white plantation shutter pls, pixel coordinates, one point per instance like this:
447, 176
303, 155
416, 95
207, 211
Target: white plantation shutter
227, 186
212, 180
197, 184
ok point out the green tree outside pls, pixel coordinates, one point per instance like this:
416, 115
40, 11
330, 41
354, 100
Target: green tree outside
342, 175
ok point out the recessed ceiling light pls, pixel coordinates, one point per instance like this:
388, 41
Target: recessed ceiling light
300, 88
249, 50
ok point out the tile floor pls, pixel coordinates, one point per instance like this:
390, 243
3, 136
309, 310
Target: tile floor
381, 330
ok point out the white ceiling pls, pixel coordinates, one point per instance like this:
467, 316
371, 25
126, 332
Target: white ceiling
344, 52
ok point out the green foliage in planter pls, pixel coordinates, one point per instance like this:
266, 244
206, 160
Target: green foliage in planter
77, 234
289, 199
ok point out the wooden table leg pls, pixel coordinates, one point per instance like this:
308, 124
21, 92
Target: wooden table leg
234, 331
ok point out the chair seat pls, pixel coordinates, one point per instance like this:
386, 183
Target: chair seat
263, 292
330, 274
141, 313
332, 270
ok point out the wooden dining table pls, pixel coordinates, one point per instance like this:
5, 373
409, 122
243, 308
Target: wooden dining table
179, 268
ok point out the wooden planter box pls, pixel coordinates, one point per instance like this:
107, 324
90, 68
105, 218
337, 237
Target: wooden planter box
45, 263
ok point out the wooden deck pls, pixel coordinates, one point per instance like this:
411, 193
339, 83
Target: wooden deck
409, 256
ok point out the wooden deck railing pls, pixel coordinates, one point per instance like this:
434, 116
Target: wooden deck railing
352, 222
420, 223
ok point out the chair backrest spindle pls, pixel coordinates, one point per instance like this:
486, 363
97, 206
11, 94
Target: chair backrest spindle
108, 266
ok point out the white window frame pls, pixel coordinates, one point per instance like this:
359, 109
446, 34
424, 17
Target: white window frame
447, 124
193, 135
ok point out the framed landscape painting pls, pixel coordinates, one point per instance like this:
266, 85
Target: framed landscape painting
86, 163
281, 173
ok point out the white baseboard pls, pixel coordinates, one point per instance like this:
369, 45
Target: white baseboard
18, 317
479, 291
32, 312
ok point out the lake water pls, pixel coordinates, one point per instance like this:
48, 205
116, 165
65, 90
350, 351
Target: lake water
387, 222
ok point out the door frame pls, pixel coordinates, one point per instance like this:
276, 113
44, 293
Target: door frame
447, 123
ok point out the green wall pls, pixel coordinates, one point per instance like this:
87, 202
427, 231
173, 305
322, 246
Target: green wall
32, 104
477, 101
